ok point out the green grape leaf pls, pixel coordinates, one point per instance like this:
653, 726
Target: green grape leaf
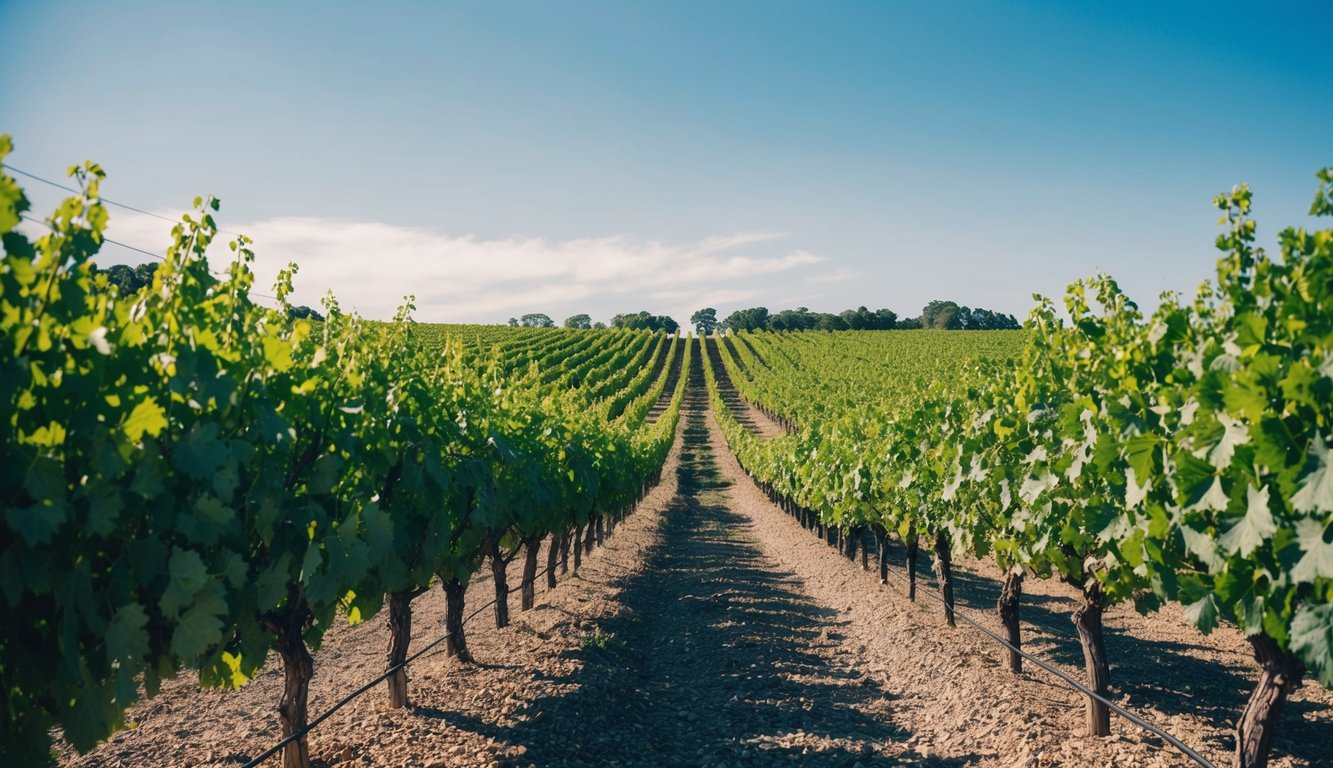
187, 575
235, 671
1312, 640
1234, 433
37, 523
325, 473
127, 634
104, 507
1141, 454
45, 481
1203, 613
201, 454
1253, 528
278, 353
147, 418
213, 510
311, 562
90, 717
1316, 491
271, 586
200, 627
1318, 559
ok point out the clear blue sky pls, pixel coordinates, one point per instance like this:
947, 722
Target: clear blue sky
829, 154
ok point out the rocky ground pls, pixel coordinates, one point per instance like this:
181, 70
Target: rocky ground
712, 630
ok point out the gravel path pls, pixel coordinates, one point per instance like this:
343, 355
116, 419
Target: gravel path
712, 630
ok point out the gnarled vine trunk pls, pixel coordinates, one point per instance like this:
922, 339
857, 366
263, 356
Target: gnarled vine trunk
911, 566
564, 550
1282, 672
400, 637
528, 587
882, 550
552, 554
578, 548
297, 668
455, 643
1010, 595
500, 576
944, 563
1088, 621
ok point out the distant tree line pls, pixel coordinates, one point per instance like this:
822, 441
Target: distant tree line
802, 319
943, 315
632, 320
937, 315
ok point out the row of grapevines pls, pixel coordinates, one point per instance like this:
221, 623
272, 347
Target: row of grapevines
190, 479
1178, 456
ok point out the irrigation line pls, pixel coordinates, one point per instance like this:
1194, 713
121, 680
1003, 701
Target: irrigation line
1130, 716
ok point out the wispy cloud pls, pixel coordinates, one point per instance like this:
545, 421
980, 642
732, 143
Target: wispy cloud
370, 266
836, 275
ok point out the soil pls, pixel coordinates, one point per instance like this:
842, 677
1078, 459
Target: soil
712, 630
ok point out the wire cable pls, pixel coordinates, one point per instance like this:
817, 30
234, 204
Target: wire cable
136, 249
1128, 715
106, 200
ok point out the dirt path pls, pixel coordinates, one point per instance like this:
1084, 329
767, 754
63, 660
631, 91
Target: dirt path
715, 656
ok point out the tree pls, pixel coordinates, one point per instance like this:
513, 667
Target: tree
599, 326
304, 313
989, 320
753, 319
513, 322
943, 315
830, 322
949, 316
643, 320
578, 321
536, 320
128, 279
704, 321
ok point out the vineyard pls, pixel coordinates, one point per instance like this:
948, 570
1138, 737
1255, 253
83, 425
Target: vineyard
200, 490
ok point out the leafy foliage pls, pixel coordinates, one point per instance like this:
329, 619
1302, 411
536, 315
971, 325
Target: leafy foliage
184, 472
1179, 456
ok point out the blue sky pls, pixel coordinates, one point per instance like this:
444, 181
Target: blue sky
499, 158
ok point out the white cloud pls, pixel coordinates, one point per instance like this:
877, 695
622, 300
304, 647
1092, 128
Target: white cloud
370, 266
836, 275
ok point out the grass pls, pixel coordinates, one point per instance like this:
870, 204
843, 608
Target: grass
601, 641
